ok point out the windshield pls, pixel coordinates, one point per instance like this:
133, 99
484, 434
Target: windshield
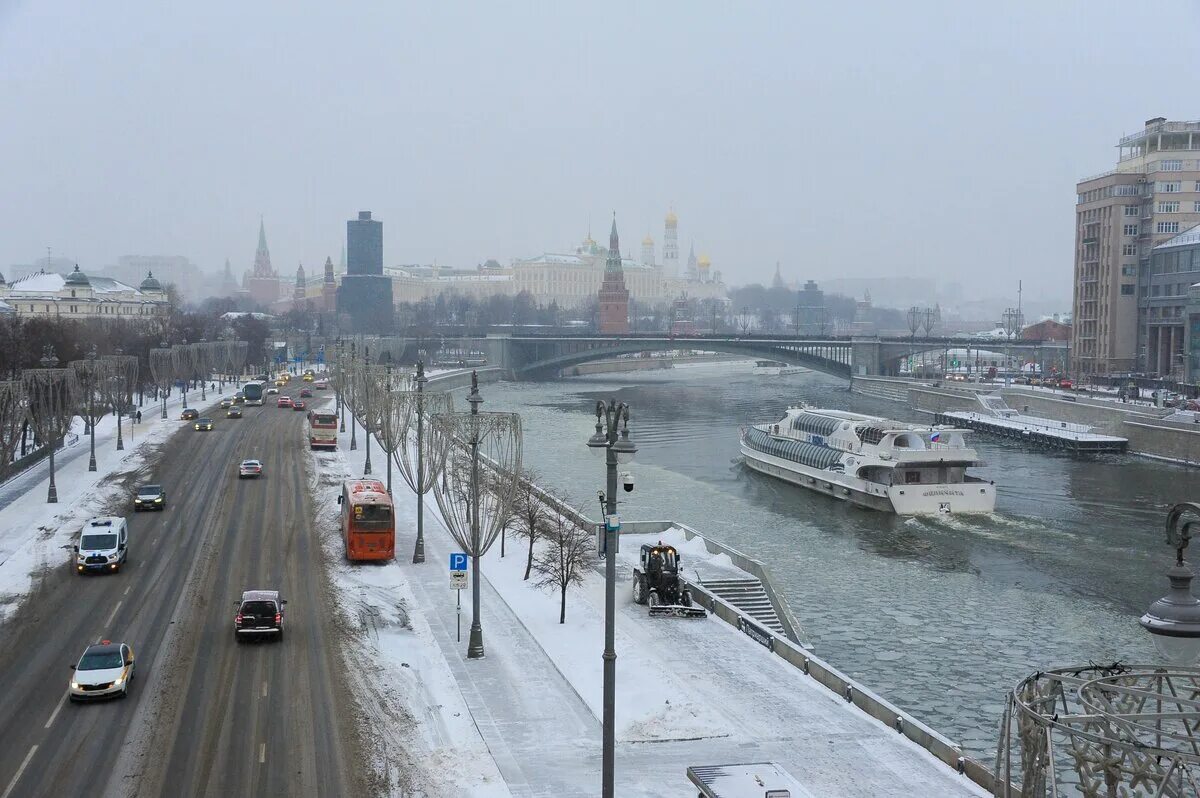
98, 542
372, 515
100, 660
149, 490
324, 419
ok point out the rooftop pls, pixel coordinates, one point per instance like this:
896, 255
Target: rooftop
1189, 237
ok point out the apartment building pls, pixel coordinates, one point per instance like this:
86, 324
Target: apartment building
1152, 195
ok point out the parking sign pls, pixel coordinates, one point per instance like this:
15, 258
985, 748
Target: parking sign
458, 561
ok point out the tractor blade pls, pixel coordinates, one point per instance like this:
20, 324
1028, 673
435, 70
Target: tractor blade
676, 611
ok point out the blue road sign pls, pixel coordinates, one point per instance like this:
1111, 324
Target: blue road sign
458, 561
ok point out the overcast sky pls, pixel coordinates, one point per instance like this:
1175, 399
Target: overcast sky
844, 139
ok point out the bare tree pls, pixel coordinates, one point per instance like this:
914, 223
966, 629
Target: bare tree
12, 419
563, 559
532, 513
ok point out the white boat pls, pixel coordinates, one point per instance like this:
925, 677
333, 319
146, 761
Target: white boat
887, 465
775, 368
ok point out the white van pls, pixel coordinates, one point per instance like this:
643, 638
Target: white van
103, 545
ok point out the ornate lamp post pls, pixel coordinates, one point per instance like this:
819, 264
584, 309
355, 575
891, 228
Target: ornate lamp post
610, 441
1174, 620
353, 377
118, 394
91, 356
341, 386
366, 397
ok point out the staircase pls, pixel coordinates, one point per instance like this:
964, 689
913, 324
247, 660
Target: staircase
749, 597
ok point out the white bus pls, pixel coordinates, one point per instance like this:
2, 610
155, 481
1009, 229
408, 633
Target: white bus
253, 391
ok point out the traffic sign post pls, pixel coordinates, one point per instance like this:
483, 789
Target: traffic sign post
458, 583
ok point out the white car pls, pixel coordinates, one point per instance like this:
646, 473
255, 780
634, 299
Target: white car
104, 671
250, 468
272, 390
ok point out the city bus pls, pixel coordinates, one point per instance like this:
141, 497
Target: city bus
368, 524
322, 430
253, 391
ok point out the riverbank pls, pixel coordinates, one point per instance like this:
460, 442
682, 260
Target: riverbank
1148, 430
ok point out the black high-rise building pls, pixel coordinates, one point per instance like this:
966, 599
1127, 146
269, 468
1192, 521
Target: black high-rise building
365, 295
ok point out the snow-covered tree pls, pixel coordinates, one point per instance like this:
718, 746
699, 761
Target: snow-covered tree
531, 514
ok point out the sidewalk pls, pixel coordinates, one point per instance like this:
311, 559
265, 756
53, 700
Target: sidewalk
689, 692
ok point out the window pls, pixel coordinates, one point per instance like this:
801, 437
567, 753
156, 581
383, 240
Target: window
1167, 227
1131, 210
1129, 270
1170, 188
1168, 207
1132, 229
1196, 205
1129, 249
1170, 166
1132, 191
1127, 289
1155, 290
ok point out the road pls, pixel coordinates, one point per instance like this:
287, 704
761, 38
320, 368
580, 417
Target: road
206, 716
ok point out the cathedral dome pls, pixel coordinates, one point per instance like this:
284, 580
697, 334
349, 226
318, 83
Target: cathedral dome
672, 219
704, 262
77, 278
647, 241
150, 283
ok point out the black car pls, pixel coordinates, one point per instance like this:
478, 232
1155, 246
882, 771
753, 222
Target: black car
150, 497
259, 614
191, 414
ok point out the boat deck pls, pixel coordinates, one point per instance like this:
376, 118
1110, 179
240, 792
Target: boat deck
1040, 431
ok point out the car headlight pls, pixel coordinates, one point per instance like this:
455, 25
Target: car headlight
158, 500
112, 557
119, 681
74, 685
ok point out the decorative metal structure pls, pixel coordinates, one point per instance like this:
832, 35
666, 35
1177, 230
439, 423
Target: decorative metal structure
162, 369
420, 464
389, 349
338, 379
474, 441
88, 377
610, 441
1101, 732
182, 365
48, 390
121, 381
1174, 620
391, 422
352, 388
12, 418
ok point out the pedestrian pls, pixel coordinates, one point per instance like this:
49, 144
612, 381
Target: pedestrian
139, 416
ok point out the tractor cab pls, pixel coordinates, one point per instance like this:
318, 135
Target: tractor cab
656, 582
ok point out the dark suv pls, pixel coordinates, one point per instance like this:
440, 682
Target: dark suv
259, 614
149, 497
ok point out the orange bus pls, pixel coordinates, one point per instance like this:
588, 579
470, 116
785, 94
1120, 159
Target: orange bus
322, 430
368, 523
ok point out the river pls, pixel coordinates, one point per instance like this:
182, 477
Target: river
942, 616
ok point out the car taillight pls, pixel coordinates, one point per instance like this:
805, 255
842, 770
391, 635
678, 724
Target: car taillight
238, 619
278, 617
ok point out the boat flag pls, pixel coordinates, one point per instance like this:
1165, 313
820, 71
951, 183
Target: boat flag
935, 437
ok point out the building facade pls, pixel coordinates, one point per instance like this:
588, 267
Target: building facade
77, 296
614, 296
1164, 292
364, 298
1120, 217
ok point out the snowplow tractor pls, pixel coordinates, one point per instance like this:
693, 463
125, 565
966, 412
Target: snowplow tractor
657, 584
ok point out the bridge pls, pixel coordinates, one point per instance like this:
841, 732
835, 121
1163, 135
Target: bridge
529, 356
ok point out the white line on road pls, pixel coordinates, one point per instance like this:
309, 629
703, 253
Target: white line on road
154, 541
112, 615
262, 754
20, 770
54, 714
126, 593
264, 690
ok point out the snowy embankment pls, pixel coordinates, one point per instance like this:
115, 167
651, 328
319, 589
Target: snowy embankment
35, 535
410, 699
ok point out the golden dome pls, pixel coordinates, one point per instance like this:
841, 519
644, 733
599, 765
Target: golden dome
647, 241
703, 262
672, 219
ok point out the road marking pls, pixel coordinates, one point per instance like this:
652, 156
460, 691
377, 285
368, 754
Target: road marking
126, 593
264, 690
154, 541
54, 714
112, 615
20, 770
262, 756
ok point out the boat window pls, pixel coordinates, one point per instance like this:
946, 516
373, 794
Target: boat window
912, 477
907, 440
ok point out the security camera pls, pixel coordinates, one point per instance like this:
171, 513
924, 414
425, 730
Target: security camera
627, 481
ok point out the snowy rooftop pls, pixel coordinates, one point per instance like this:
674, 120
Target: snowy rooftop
52, 283
1186, 238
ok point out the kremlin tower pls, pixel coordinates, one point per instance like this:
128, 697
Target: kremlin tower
329, 289
298, 291
263, 281
692, 273
671, 247
614, 296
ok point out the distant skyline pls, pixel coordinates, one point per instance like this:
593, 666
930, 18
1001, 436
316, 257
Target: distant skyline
932, 139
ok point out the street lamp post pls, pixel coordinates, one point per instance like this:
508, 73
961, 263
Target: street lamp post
387, 408
119, 395
611, 441
419, 548
49, 360
91, 356
1174, 620
354, 390
367, 407
164, 345
341, 387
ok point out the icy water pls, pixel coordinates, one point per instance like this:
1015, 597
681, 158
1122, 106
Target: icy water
940, 616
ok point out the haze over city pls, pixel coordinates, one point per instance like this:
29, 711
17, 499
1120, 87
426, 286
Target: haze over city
931, 139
